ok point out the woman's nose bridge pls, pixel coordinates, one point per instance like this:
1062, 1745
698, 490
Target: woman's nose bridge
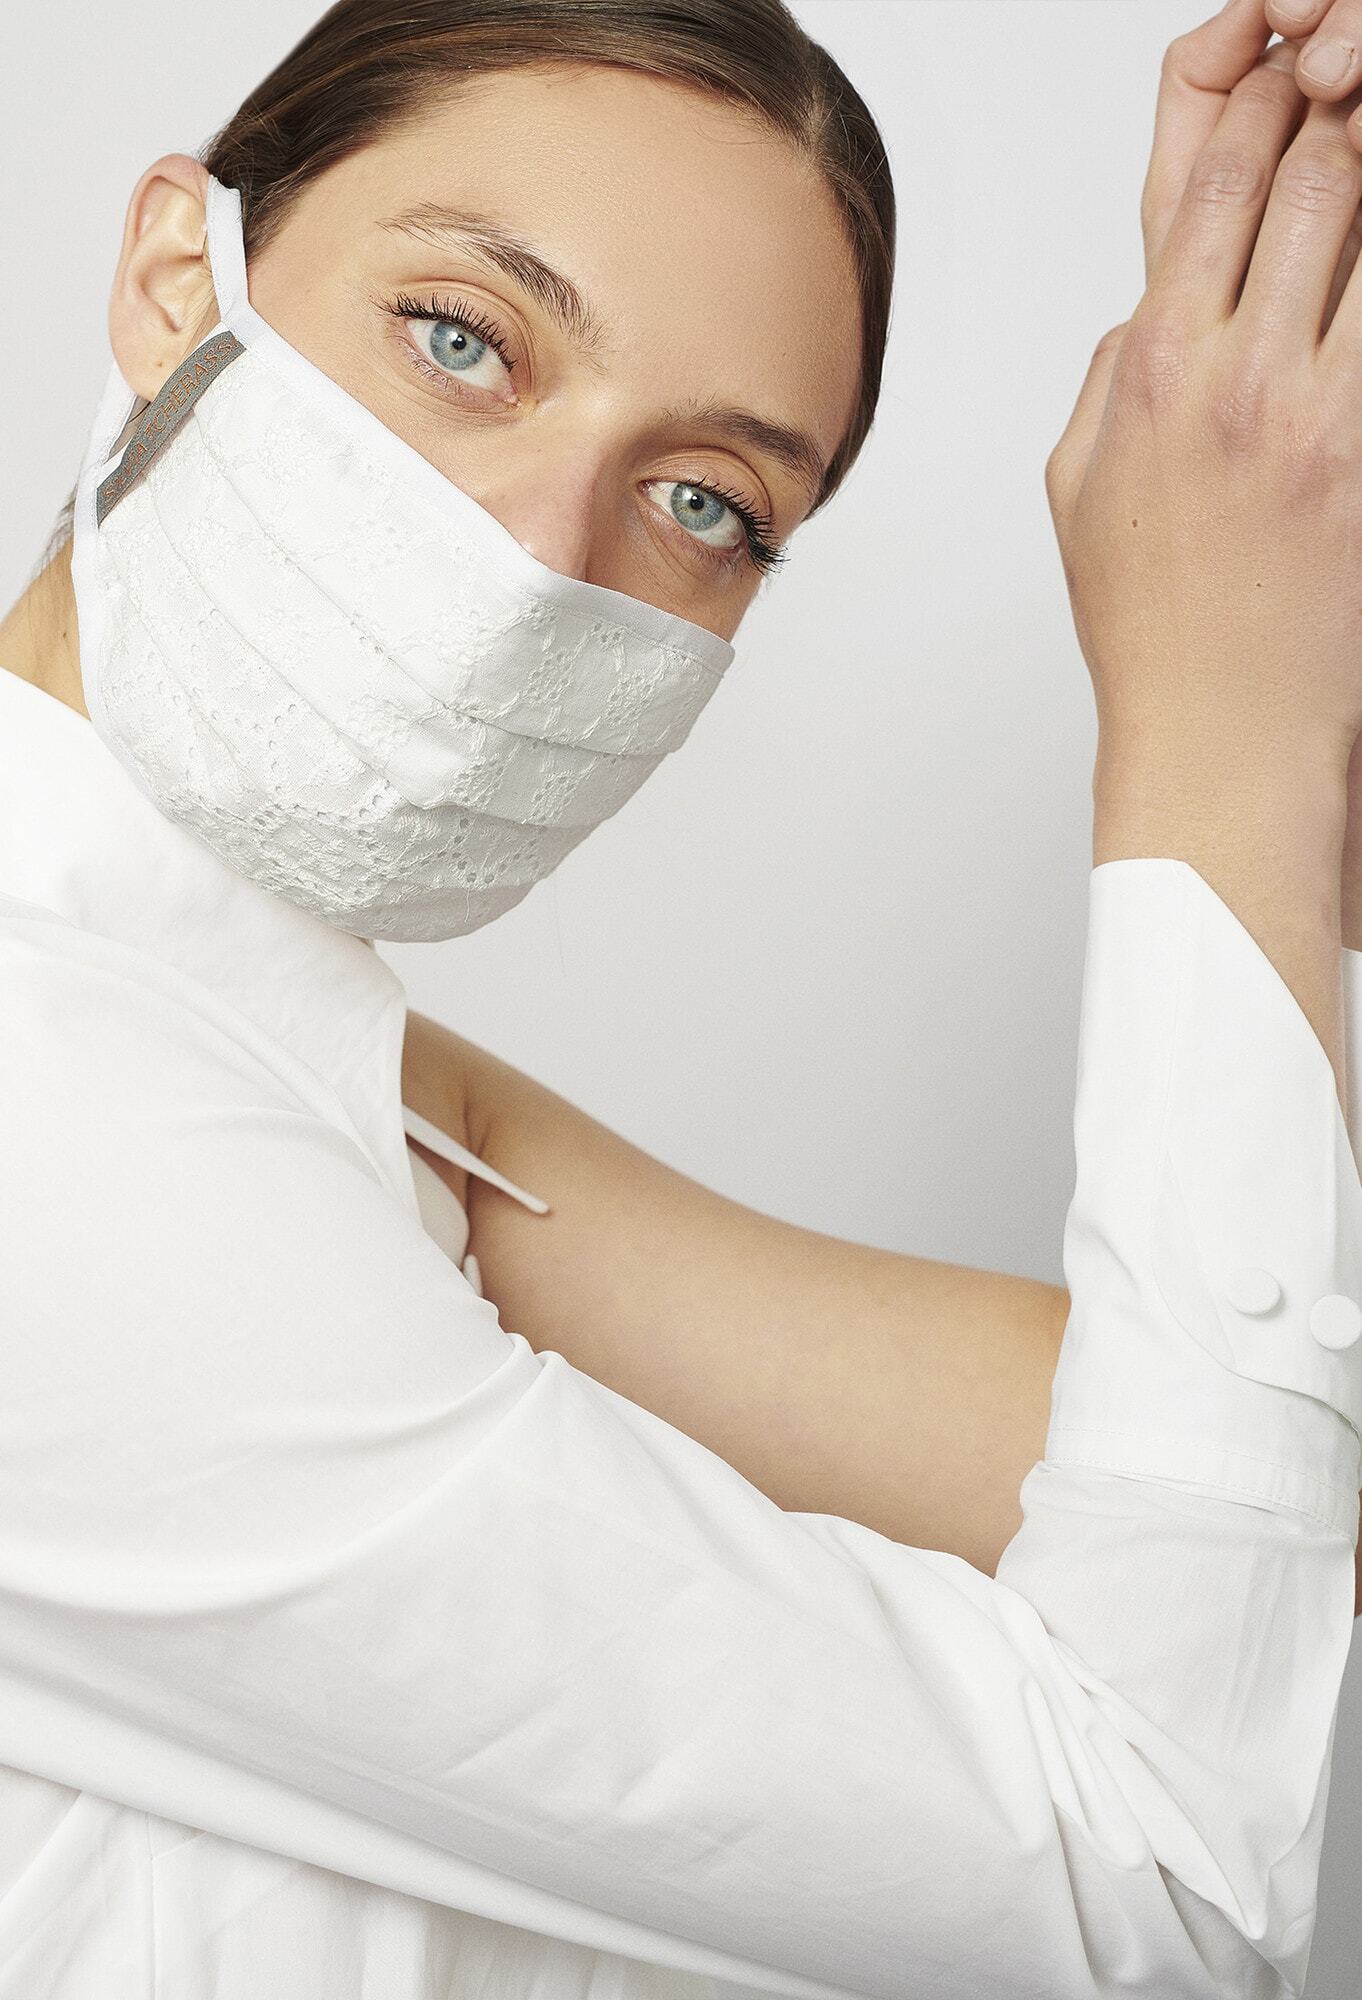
560, 495
555, 527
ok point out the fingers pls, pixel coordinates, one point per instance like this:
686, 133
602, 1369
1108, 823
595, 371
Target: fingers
1200, 69
1305, 229
1330, 34
1346, 265
1341, 345
1211, 237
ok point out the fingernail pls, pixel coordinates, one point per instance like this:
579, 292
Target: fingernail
1294, 10
1282, 55
1327, 62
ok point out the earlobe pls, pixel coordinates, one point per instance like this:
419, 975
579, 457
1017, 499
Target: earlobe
162, 300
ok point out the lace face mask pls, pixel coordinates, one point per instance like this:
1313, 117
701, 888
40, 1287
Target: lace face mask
312, 649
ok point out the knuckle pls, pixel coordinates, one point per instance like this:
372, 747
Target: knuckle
1266, 88
1318, 179
1152, 364
1174, 56
1239, 413
1236, 422
1307, 466
1227, 177
1313, 450
1159, 321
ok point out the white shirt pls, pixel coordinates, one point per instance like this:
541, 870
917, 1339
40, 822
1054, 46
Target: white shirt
360, 1652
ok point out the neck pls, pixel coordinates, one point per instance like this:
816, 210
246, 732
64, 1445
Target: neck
38, 637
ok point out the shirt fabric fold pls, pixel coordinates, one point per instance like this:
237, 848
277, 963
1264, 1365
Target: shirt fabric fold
350, 1647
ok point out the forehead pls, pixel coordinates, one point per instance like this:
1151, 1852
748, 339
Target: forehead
712, 253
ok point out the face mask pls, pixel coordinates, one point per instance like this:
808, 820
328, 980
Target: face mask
312, 649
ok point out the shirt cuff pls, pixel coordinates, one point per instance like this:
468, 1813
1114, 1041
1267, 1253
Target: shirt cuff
1213, 1246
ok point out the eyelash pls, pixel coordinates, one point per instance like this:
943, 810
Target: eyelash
456, 313
756, 526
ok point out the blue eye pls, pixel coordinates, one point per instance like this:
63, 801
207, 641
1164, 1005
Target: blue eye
701, 510
696, 508
453, 337
452, 347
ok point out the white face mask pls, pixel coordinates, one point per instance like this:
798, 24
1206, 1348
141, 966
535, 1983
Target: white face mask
312, 649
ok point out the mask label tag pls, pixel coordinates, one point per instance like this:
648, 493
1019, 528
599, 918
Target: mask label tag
175, 399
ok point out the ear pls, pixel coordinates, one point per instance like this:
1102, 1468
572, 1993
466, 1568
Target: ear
162, 302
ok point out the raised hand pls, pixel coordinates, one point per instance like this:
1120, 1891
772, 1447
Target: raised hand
1329, 35
1207, 491
1207, 496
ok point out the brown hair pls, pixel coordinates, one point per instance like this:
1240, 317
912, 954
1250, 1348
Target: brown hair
366, 64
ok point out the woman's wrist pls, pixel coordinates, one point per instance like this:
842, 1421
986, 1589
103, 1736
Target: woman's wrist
1262, 822
1219, 784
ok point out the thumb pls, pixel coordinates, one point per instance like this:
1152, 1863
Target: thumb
1067, 463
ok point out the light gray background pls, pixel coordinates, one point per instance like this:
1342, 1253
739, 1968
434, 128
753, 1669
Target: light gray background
829, 959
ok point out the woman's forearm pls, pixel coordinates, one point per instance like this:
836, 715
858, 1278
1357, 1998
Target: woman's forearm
900, 1391
908, 1394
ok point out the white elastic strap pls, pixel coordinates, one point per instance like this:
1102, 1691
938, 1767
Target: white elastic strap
226, 246
459, 1156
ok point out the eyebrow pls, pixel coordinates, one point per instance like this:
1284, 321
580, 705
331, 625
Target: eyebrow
434, 221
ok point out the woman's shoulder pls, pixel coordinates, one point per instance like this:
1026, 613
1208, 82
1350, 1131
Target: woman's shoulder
161, 1168
74, 999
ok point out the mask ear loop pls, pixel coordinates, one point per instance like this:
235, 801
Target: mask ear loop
119, 404
226, 247
120, 407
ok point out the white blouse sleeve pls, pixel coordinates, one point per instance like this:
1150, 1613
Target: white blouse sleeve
299, 1544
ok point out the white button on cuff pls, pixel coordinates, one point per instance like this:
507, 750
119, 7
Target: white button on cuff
1253, 1291
1335, 1321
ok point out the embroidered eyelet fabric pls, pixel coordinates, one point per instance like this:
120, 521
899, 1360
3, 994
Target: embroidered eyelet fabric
289, 623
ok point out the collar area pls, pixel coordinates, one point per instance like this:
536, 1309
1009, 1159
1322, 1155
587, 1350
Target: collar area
79, 838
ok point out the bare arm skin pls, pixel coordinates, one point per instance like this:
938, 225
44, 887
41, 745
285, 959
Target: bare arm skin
908, 1394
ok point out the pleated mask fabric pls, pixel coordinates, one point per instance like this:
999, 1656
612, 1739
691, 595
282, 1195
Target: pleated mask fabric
330, 663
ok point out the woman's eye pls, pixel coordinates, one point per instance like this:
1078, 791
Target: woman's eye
453, 347
705, 515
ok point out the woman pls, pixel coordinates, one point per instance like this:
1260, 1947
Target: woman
352, 1645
